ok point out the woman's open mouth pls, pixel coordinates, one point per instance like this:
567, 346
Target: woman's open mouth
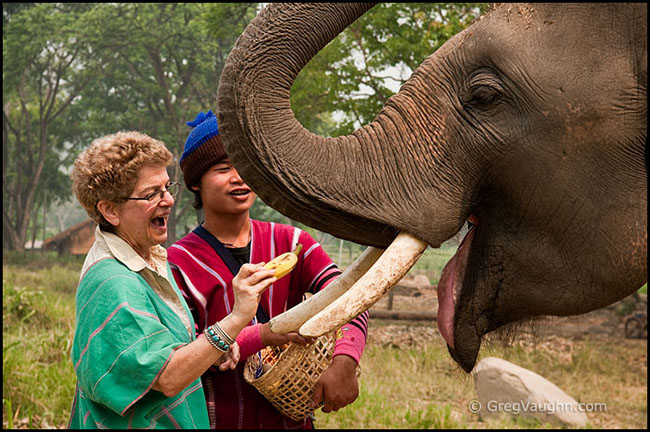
160, 222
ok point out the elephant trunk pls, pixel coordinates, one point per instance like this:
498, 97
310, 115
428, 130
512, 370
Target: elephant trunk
355, 187
306, 177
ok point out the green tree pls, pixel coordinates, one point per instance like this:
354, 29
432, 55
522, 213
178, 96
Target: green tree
354, 72
75, 72
168, 60
47, 62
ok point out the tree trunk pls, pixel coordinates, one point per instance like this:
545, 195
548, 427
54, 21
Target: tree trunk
44, 218
34, 229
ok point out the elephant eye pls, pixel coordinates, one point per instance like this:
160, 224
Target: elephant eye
484, 95
483, 92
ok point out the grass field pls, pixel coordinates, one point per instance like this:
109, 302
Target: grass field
37, 326
421, 388
416, 387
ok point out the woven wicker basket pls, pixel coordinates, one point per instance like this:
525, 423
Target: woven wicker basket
290, 374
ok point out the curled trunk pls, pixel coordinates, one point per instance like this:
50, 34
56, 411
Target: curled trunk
348, 185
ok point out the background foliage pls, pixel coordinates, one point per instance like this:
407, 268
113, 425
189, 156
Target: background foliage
356, 73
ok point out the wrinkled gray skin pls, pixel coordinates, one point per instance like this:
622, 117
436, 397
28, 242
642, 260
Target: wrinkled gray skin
532, 121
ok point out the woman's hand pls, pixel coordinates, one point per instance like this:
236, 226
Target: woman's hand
230, 359
190, 361
248, 286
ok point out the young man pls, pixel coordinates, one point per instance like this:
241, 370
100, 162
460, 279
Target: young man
204, 263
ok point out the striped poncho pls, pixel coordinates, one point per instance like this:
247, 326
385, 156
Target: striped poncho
206, 282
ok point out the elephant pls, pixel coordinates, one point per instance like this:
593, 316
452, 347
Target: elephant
529, 126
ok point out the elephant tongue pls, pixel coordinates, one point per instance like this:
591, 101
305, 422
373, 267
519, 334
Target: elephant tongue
449, 287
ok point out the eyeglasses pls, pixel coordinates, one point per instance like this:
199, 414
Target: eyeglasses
172, 189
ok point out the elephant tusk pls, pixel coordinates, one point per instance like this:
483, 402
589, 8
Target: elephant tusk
292, 319
398, 259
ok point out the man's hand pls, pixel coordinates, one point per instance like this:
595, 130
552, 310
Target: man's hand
272, 339
337, 386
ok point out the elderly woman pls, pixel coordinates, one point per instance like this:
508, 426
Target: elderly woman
135, 353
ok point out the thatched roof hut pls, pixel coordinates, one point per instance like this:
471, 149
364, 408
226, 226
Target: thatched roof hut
76, 240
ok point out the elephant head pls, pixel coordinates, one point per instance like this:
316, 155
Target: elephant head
530, 124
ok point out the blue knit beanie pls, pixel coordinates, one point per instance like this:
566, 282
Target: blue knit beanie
203, 148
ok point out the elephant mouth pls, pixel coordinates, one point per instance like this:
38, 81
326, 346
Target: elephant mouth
450, 287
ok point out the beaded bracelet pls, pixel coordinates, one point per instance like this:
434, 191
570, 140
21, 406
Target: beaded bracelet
215, 340
218, 338
225, 336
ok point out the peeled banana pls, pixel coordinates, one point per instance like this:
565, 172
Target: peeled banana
283, 264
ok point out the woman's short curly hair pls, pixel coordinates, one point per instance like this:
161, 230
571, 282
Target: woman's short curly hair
109, 168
